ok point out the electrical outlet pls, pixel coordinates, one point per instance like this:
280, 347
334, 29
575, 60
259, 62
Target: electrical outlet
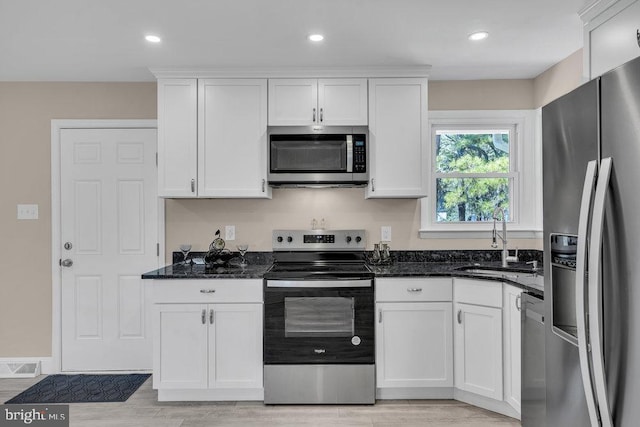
229, 232
385, 233
27, 211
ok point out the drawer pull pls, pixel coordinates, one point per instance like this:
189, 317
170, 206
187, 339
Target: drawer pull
414, 289
207, 291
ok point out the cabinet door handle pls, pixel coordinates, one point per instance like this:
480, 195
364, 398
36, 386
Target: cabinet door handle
193, 185
379, 316
204, 316
321, 115
263, 185
373, 185
211, 316
459, 317
314, 115
414, 289
207, 291
519, 303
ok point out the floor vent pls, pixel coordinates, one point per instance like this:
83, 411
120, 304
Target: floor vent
19, 369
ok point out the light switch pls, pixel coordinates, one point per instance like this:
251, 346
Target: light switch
385, 233
27, 211
229, 232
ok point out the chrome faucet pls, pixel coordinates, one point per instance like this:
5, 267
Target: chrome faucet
498, 213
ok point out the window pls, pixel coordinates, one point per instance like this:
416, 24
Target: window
481, 161
474, 173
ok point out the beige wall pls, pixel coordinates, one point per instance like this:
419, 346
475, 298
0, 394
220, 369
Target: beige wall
26, 110
481, 95
558, 80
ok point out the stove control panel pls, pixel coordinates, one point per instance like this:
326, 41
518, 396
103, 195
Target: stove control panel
318, 240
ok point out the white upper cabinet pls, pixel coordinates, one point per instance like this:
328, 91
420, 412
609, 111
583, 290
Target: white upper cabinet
328, 102
177, 137
611, 37
398, 140
212, 138
232, 138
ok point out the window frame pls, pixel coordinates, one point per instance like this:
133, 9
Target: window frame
525, 164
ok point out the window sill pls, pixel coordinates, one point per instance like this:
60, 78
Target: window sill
461, 233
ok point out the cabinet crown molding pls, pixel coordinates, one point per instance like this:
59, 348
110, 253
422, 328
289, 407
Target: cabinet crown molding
293, 72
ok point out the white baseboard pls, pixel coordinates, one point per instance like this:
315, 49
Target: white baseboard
414, 393
486, 403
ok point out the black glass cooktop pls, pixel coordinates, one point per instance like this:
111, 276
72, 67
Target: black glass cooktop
319, 271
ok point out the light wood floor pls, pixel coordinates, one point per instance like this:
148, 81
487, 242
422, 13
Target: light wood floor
142, 409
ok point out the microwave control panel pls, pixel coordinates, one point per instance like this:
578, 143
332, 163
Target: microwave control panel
359, 154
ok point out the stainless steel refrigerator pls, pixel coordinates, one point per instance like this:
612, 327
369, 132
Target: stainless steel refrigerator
591, 163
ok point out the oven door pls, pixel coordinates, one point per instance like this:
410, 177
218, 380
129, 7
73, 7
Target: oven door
319, 322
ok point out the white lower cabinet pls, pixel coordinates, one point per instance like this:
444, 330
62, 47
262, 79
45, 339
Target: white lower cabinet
512, 330
478, 350
414, 339
209, 350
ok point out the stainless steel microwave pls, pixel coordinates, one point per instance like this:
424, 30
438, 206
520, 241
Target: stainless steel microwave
318, 156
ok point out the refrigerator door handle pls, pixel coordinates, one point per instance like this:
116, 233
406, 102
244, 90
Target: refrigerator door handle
581, 269
595, 291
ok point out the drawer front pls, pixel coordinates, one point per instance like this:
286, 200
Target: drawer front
207, 291
478, 292
413, 289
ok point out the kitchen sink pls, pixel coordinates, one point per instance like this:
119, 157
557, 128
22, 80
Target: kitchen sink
526, 278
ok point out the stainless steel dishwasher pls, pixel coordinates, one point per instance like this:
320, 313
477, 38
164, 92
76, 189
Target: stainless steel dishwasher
533, 365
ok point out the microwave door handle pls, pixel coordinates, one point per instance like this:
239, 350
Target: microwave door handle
349, 153
595, 291
581, 321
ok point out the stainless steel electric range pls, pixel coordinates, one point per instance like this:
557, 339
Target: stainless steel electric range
319, 319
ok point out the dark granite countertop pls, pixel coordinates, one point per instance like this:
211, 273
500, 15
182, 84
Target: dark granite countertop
518, 274
199, 271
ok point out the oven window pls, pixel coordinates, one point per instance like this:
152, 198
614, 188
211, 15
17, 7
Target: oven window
318, 317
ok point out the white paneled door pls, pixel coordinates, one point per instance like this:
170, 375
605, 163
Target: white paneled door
109, 233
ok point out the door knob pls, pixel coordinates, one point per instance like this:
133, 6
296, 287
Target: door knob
66, 262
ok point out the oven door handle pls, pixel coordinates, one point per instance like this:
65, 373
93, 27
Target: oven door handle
355, 283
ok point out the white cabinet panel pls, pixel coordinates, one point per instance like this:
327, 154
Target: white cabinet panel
177, 137
212, 138
478, 350
614, 41
180, 346
235, 346
232, 138
215, 348
512, 345
327, 102
414, 345
293, 102
398, 138
342, 102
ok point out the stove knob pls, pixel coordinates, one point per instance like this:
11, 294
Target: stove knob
279, 239
289, 239
358, 239
348, 239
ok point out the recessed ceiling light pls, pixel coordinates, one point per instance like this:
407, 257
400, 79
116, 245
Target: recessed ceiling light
316, 37
152, 38
478, 35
